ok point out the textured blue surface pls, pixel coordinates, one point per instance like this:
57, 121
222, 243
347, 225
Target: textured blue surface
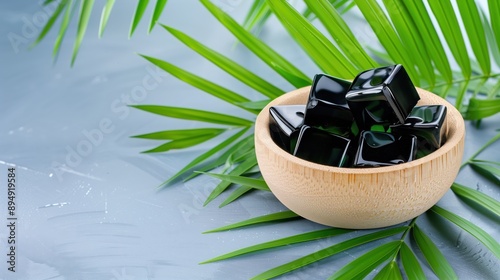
88, 207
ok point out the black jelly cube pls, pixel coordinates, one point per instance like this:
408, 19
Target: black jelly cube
384, 149
284, 120
427, 123
381, 96
327, 107
321, 147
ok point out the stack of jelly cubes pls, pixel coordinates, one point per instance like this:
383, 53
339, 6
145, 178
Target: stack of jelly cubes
370, 122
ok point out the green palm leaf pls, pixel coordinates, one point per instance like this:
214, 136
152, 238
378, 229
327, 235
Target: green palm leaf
489, 170
341, 33
85, 11
410, 263
181, 143
243, 167
139, 12
478, 197
318, 47
387, 36
63, 4
264, 52
482, 108
447, 20
208, 154
434, 257
258, 184
259, 12
363, 265
427, 30
471, 228
193, 114
239, 148
390, 271
280, 216
234, 195
180, 134
475, 32
299, 238
159, 7
62, 30
106, 11
226, 64
408, 32
201, 83
329, 251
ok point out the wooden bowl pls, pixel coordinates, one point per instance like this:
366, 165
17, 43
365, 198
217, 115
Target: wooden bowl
359, 198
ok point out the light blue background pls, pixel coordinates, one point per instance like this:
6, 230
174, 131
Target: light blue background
97, 214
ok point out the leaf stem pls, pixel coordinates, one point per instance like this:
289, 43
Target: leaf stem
492, 140
403, 236
465, 80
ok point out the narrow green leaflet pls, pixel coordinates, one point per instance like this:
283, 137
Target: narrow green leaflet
159, 7
329, 251
201, 158
387, 36
139, 12
297, 81
259, 48
471, 228
239, 72
257, 15
180, 134
62, 30
243, 167
316, 45
255, 105
390, 271
478, 152
434, 257
478, 197
412, 267
489, 170
106, 11
85, 11
363, 265
299, 238
477, 37
482, 108
447, 20
274, 217
194, 114
462, 91
199, 82
427, 30
490, 38
50, 22
258, 184
494, 7
240, 191
241, 147
411, 39
181, 143
341, 33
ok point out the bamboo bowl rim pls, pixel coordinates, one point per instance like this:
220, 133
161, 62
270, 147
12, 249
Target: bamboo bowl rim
454, 135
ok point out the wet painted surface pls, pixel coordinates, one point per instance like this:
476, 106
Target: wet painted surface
88, 207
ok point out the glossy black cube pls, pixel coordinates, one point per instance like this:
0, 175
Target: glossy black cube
327, 107
428, 124
384, 149
322, 147
284, 120
382, 96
